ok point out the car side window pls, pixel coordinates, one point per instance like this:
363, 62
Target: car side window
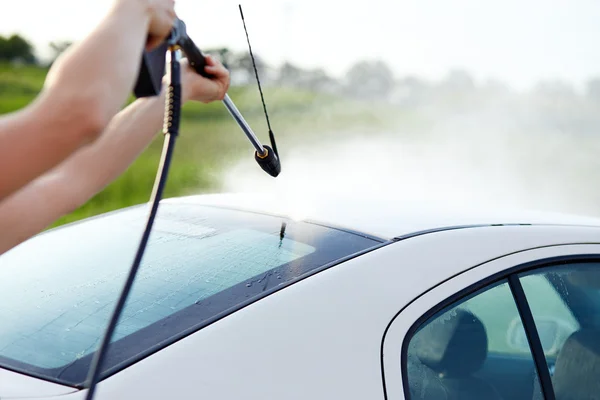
464, 351
571, 345
508, 335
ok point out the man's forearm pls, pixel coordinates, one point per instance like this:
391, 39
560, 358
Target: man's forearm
103, 67
83, 175
126, 137
85, 87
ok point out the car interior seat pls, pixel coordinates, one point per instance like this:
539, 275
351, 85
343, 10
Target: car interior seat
577, 369
455, 346
424, 383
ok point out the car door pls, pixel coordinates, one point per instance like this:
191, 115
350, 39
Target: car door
499, 330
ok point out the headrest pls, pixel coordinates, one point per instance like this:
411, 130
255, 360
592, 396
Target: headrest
577, 366
454, 344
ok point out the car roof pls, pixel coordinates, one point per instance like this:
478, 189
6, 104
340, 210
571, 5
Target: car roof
385, 218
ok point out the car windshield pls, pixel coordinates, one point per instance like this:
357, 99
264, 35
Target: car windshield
58, 289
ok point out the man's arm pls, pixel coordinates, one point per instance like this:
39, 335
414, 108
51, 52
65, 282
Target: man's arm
84, 89
92, 168
64, 189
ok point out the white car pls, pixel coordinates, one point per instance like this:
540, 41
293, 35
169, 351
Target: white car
363, 300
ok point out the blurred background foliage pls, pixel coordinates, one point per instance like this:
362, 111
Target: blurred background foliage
308, 105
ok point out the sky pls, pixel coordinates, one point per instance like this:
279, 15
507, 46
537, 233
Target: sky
518, 41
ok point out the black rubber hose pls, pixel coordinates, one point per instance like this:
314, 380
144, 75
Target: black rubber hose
171, 130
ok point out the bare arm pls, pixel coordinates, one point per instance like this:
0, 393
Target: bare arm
92, 168
84, 89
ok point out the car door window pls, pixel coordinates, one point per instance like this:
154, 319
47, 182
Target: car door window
567, 321
508, 335
465, 351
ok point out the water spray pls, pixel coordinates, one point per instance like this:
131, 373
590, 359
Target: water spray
149, 84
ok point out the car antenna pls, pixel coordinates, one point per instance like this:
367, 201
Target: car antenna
262, 98
271, 135
282, 233
149, 84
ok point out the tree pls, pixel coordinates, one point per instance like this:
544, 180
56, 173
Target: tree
289, 74
16, 49
370, 80
242, 70
319, 80
244, 62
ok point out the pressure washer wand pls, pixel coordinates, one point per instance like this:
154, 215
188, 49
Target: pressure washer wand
265, 156
235, 113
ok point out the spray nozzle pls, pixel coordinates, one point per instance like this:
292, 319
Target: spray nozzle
268, 161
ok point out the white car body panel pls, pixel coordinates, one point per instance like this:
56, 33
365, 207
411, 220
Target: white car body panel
386, 218
321, 337
19, 386
400, 326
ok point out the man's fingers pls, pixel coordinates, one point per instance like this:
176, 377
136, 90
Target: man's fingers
210, 68
219, 71
219, 75
210, 60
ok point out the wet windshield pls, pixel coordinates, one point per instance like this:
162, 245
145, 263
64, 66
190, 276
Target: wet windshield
57, 290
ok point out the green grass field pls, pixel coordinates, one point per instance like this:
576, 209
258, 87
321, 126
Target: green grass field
209, 139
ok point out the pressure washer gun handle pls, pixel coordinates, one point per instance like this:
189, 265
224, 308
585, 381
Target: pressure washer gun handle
194, 56
265, 156
191, 51
152, 68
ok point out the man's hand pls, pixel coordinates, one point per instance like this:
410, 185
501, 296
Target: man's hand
162, 19
198, 88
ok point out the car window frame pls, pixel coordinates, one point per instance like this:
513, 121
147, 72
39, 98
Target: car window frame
406, 322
